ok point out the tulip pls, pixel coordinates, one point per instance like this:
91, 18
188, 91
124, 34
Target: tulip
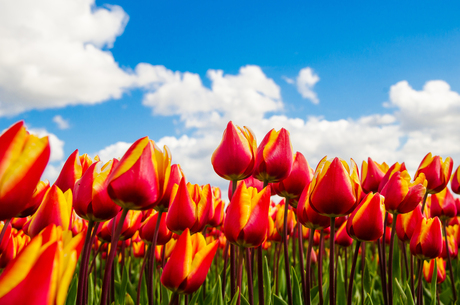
137, 181
443, 205
187, 268
428, 268
274, 157
191, 207
393, 169
56, 209
36, 199
42, 271
366, 223
300, 176
18, 223
70, 172
426, 241
91, 200
342, 238
9, 253
5, 228
147, 229
174, 178
402, 196
371, 175
218, 212
453, 247
406, 223
436, 172
235, 156
455, 183
131, 223
308, 216
247, 216
279, 222
23, 158
250, 182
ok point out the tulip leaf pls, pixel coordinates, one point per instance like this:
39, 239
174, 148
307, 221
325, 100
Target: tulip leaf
407, 290
218, 296
235, 296
399, 292
267, 283
90, 290
368, 300
297, 294
195, 297
165, 295
278, 301
396, 259
341, 296
72, 294
243, 300
143, 295
367, 278
434, 279
124, 284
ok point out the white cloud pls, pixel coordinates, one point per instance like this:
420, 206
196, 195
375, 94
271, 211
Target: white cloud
305, 82
61, 122
116, 150
51, 54
56, 144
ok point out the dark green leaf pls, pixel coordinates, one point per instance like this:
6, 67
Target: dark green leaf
407, 291
90, 290
124, 284
72, 294
235, 296
195, 297
278, 301
296, 292
219, 300
341, 295
434, 282
267, 283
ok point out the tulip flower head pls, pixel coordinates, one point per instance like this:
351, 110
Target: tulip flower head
147, 229
366, 223
23, 158
335, 190
426, 241
342, 238
36, 200
235, 156
453, 246
308, 216
436, 172
189, 263
246, 220
371, 175
406, 223
455, 183
279, 221
443, 205
274, 157
428, 268
250, 182
175, 176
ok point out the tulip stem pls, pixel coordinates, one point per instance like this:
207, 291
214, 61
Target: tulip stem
390, 260
406, 265
5, 227
232, 254
320, 267
93, 262
424, 202
412, 285
449, 263
174, 298
346, 268
84, 264
286, 253
152, 258
111, 257
302, 263
383, 273
308, 268
141, 273
352, 274
384, 260
419, 283
249, 274
224, 278
363, 265
240, 274
260, 275
331, 263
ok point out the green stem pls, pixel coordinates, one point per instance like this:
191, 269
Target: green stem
449, 263
390, 260
331, 264
286, 253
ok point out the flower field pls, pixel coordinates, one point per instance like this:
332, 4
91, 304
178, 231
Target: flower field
135, 231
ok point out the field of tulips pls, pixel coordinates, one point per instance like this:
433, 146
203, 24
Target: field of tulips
135, 231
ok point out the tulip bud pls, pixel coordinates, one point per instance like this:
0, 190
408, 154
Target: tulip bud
274, 157
405, 223
453, 247
342, 238
402, 196
371, 175
309, 217
23, 158
389, 173
334, 190
36, 199
455, 183
191, 207
443, 205
426, 241
147, 229
428, 268
247, 216
366, 223
174, 178
279, 222
235, 157
131, 224
436, 172
56, 209
250, 182
70, 172
189, 263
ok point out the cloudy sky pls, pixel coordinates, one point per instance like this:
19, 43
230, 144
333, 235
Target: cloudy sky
348, 80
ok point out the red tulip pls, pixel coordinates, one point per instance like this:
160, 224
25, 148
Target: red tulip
250, 182
453, 247
405, 223
147, 229
428, 268
426, 241
279, 222
371, 175
309, 217
393, 169
235, 157
174, 178
436, 172
443, 205
342, 238
455, 183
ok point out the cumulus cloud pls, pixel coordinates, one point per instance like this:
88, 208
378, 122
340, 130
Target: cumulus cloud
61, 122
305, 82
116, 150
52, 55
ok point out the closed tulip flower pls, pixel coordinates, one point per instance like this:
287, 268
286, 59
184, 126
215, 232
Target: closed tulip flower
137, 182
453, 247
371, 175
335, 190
56, 209
36, 200
91, 199
250, 182
406, 223
131, 224
455, 183
71, 171
175, 177
443, 205
274, 157
342, 238
247, 216
23, 158
389, 173
426, 241
366, 223
291, 221
147, 229
428, 268
235, 156
189, 263
191, 207
436, 172
308, 216
402, 196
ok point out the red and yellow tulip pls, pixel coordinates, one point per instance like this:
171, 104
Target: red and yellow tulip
436, 172
426, 241
371, 175
406, 223
428, 268
443, 205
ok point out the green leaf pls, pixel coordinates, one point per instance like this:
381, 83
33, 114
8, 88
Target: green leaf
124, 284
368, 300
278, 301
244, 301
165, 295
341, 296
434, 279
129, 300
297, 294
399, 292
90, 290
235, 296
410, 300
396, 258
144, 296
195, 297
367, 278
218, 296
267, 283
72, 294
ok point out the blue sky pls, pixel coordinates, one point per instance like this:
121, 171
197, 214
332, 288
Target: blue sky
358, 51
